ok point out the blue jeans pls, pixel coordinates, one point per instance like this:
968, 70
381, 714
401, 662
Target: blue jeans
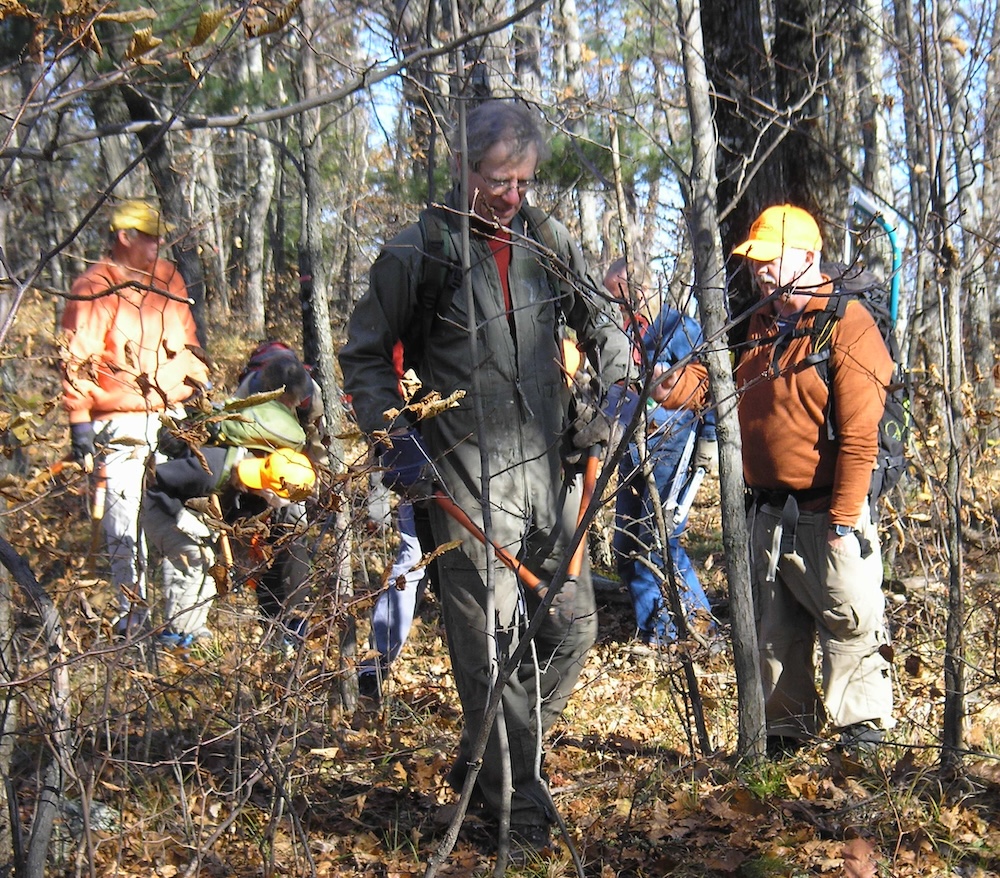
392, 617
636, 534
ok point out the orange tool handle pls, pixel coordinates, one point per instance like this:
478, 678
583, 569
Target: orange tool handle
508, 560
589, 481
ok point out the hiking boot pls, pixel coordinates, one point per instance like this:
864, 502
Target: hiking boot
529, 843
368, 687
861, 738
782, 747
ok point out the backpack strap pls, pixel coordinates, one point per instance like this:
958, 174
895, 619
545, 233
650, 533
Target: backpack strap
441, 273
537, 223
823, 326
538, 226
440, 277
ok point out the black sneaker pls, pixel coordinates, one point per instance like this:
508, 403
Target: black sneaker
861, 738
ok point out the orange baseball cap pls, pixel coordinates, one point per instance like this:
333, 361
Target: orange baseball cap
778, 227
287, 473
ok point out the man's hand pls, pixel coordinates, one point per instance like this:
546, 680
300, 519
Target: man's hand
82, 443
663, 387
605, 425
706, 456
563, 606
407, 466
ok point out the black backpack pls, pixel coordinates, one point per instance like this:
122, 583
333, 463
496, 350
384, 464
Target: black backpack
853, 283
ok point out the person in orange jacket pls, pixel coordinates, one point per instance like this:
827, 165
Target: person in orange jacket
131, 353
815, 557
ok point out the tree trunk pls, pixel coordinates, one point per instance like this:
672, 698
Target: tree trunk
115, 150
924, 330
319, 343
740, 73
528, 57
710, 283
9, 833
576, 120
59, 729
206, 212
954, 658
54, 218
963, 130
262, 174
867, 49
801, 47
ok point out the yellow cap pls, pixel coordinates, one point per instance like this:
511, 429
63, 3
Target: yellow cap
779, 227
141, 216
287, 473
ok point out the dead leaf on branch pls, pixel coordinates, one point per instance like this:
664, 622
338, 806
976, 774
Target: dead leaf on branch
130, 17
259, 25
142, 42
429, 407
12, 9
207, 24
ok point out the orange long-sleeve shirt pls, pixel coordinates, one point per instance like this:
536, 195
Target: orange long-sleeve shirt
786, 446
127, 350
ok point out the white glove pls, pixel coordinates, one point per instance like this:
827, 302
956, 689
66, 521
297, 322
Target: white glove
706, 456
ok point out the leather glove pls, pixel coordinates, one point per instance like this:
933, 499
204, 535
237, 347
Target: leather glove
563, 606
706, 456
82, 442
605, 425
407, 466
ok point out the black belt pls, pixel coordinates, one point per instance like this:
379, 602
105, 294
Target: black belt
764, 497
788, 502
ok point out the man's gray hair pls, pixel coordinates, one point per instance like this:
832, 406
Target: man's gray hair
506, 122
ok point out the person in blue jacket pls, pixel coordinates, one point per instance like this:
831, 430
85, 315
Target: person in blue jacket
677, 442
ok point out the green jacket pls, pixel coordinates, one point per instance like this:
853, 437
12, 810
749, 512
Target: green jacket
523, 392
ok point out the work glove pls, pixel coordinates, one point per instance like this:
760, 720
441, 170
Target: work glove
563, 606
706, 456
604, 425
82, 442
407, 468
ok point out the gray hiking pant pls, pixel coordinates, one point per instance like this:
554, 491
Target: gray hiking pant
836, 595
537, 529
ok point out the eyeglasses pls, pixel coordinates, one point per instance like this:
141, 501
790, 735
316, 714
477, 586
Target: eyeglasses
502, 187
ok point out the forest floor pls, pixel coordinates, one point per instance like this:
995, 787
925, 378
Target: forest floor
236, 760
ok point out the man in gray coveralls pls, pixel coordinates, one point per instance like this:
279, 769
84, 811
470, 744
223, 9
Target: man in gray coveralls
533, 497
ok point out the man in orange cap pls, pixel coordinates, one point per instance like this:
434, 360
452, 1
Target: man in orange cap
815, 556
132, 352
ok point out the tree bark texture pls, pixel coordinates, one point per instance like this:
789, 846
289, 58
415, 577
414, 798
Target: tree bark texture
320, 349
709, 279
